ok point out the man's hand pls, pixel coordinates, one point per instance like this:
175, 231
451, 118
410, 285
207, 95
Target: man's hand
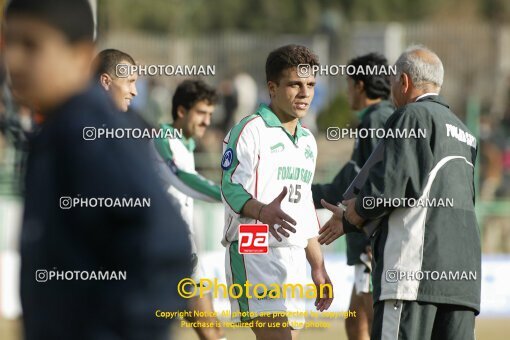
319, 274
320, 277
279, 222
334, 227
350, 213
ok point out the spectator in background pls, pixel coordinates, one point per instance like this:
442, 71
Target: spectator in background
153, 111
247, 93
230, 102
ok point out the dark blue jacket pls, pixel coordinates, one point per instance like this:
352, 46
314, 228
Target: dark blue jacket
150, 244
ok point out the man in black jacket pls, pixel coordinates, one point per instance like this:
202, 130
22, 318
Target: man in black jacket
367, 94
102, 247
426, 248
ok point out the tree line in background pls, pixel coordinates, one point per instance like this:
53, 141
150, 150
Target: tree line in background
285, 16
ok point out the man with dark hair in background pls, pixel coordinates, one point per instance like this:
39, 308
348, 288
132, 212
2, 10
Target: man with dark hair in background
193, 104
367, 94
48, 49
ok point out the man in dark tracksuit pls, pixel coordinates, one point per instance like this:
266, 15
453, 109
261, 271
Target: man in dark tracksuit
368, 95
98, 271
426, 249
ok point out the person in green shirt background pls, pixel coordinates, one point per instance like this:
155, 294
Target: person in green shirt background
192, 107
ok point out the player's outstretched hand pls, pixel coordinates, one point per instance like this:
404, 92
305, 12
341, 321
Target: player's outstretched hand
334, 227
279, 222
321, 277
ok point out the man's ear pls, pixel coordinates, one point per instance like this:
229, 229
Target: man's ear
271, 86
105, 80
181, 111
405, 82
359, 85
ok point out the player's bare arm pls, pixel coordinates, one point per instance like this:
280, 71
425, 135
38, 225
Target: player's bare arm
319, 274
271, 214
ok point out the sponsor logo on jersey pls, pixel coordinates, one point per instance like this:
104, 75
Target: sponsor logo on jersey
253, 239
294, 174
228, 158
277, 148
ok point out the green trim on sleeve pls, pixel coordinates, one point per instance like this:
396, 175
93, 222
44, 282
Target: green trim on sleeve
192, 180
200, 184
163, 146
234, 193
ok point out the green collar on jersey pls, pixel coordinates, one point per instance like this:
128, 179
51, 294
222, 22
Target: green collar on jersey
272, 120
189, 143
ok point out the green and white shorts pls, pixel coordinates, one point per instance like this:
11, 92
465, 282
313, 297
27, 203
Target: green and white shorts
253, 275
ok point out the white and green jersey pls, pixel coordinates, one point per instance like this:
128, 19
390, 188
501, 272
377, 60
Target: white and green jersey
260, 158
178, 173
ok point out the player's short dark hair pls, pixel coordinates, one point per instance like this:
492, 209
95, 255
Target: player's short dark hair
286, 57
73, 18
375, 85
107, 60
190, 92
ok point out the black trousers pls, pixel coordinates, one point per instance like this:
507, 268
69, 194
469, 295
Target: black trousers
415, 320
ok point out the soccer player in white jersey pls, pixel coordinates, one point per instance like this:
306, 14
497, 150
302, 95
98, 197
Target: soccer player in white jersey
268, 166
192, 107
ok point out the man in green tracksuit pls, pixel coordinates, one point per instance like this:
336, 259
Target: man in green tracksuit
367, 94
426, 248
193, 104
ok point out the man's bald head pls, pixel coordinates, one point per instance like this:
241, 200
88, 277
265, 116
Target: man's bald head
419, 71
423, 67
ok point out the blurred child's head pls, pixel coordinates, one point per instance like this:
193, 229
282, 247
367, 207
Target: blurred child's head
48, 49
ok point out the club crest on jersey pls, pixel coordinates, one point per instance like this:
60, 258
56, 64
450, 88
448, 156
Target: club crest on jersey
227, 159
308, 153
